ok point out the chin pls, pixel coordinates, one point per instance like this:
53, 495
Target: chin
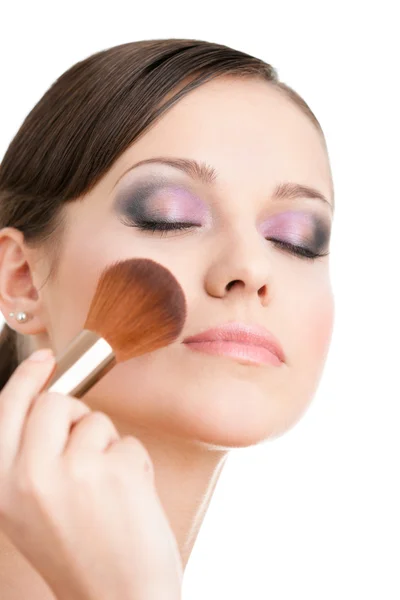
218, 403
227, 415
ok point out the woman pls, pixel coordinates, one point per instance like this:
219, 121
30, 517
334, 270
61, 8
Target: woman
196, 156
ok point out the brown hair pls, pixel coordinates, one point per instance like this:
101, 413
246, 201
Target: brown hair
88, 118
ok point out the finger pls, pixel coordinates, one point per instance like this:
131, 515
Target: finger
133, 449
94, 433
16, 398
48, 426
130, 455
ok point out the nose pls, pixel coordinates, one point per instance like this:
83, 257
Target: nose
239, 265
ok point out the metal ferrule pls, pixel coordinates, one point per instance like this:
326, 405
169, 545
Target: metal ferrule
85, 361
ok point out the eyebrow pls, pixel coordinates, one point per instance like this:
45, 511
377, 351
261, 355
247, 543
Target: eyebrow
291, 191
196, 170
207, 175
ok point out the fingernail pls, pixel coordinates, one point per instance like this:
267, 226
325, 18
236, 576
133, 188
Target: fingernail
41, 355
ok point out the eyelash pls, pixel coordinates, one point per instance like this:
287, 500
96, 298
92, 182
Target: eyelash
299, 251
163, 227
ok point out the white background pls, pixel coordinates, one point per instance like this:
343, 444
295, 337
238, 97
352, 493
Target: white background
314, 514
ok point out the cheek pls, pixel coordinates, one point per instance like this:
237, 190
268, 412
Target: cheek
323, 325
304, 308
85, 257
73, 288
314, 323
71, 299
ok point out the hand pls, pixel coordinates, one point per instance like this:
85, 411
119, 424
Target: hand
77, 500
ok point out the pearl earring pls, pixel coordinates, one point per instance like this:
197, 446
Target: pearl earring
21, 316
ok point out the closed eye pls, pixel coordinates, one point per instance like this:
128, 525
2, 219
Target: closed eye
164, 225
300, 251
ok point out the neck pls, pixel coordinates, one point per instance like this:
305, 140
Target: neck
186, 474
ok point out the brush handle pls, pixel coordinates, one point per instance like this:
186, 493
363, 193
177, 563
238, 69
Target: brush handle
86, 360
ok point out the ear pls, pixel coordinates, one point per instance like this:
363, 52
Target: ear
17, 290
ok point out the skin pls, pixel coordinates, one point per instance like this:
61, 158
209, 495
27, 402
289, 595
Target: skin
255, 138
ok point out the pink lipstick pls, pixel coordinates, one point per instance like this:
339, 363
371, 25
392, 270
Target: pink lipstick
247, 344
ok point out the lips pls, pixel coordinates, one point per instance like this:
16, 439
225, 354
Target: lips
245, 343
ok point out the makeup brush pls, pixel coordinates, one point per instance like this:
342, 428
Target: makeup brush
138, 307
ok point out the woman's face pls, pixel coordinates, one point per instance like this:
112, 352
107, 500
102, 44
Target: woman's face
244, 253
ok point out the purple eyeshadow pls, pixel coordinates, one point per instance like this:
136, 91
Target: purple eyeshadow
158, 204
158, 200
297, 228
178, 205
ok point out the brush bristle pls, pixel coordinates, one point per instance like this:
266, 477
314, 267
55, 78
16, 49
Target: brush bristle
137, 308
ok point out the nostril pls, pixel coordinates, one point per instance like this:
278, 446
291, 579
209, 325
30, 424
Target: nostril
262, 292
232, 283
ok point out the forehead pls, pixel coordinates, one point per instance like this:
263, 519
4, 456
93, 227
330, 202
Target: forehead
246, 129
